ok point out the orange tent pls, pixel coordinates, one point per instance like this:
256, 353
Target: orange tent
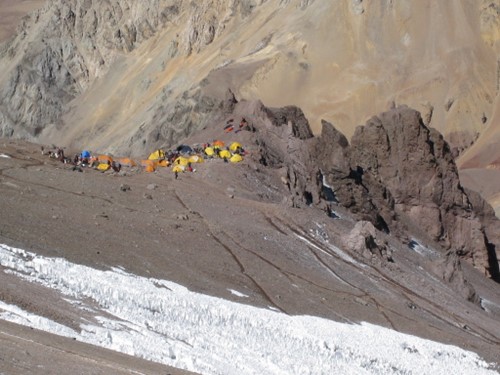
105, 159
163, 163
149, 165
218, 143
127, 162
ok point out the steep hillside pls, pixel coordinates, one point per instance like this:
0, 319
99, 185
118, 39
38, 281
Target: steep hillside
376, 230
122, 75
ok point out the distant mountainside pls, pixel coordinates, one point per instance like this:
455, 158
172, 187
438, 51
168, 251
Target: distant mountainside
11, 12
126, 77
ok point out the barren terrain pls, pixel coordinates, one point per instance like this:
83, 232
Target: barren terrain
222, 227
11, 13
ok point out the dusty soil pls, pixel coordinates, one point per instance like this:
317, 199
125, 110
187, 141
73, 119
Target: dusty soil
223, 227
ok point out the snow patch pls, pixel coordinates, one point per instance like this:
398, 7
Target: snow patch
236, 293
5, 156
165, 322
419, 248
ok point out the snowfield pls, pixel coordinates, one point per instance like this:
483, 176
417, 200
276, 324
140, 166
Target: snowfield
164, 322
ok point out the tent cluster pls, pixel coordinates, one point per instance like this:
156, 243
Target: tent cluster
233, 153
181, 159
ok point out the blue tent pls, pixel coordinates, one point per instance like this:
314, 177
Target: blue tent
85, 154
184, 149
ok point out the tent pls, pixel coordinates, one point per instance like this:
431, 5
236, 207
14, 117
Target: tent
209, 151
236, 158
196, 159
163, 163
178, 168
158, 154
184, 149
105, 159
127, 162
149, 165
218, 144
234, 146
103, 167
85, 154
224, 154
181, 160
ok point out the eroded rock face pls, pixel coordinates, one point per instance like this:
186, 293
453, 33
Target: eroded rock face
415, 164
283, 138
63, 48
397, 174
364, 196
450, 270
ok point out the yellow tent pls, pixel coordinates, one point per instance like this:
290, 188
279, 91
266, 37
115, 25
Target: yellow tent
196, 159
236, 158
103, 167
181, 160
178, 168
224, 154
235, 145
158, 154
209, 151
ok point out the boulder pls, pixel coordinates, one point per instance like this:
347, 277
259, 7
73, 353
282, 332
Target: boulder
364, 240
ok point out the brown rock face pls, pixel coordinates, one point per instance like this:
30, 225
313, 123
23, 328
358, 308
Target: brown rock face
364, 196
397, 174
415, 164
283, 137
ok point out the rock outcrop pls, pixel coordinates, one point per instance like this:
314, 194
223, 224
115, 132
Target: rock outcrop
364, 196
397, 174
415, 164
364, 240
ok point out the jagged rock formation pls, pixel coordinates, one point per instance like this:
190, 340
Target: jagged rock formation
364, 196
416, 165
397, 174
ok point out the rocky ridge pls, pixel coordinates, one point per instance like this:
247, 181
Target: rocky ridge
397, 174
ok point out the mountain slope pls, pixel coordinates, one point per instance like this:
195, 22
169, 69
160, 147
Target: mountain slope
338, 61
249, 227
